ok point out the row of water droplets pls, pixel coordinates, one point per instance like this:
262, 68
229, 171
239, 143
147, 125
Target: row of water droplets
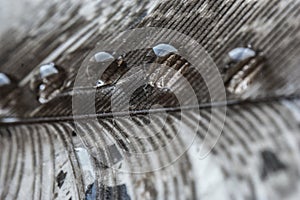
50, 78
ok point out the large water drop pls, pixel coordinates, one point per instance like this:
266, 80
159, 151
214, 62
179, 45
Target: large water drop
103, 57
104, 69
240, 54
243, 64
162, 50
47, 82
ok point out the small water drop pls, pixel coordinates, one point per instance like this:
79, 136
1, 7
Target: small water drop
42, 87
7, 84
47, 82
4, 80
162, 50
99, 83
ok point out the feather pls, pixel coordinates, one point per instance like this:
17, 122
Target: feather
164, 138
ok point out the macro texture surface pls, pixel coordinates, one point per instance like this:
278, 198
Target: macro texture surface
52, 148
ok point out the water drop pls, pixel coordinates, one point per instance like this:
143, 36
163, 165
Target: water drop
162, 50
4, 80
48, 70
7, 84
47, 82
99, 62
104, 69
103, 57
99, 83
158, 63
243, 64
240, 54
42, 87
